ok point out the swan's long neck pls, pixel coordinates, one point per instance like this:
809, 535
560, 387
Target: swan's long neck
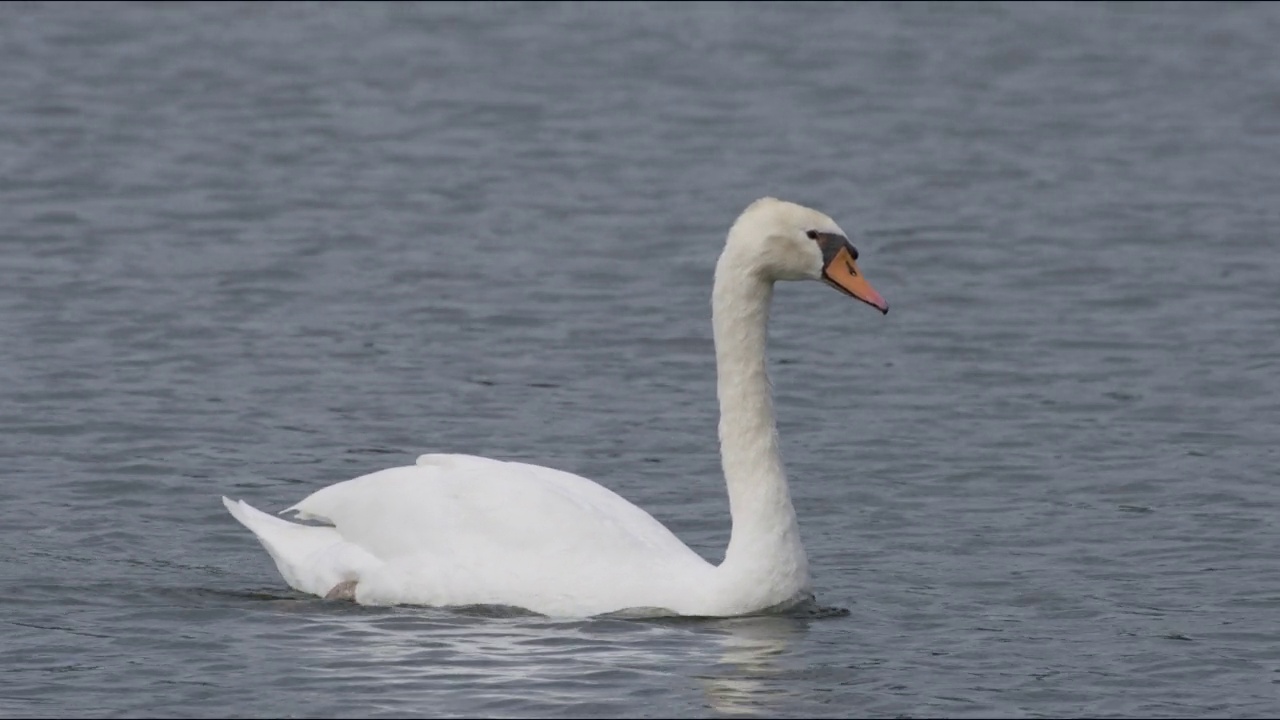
765, 554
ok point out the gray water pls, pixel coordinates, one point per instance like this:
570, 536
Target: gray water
257, 249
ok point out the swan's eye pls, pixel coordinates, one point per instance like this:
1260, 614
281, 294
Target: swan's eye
812, 234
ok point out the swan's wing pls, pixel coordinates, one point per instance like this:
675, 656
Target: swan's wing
447, 499
460, 529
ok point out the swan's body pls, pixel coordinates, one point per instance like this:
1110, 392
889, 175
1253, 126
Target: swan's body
465, 530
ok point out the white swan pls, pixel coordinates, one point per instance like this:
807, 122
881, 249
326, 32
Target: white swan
462, 530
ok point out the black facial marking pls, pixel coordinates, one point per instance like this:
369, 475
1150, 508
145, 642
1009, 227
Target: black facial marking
831, 244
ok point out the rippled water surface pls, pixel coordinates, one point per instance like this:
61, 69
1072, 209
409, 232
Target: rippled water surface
256, 249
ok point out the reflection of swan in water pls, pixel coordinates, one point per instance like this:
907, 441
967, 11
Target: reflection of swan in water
482, 661
457, 663
749, 679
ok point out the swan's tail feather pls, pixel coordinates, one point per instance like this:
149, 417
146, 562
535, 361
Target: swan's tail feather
311, 559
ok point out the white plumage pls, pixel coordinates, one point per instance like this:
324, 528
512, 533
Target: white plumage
463, 530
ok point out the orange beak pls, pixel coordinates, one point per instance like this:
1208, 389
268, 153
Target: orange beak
842, 273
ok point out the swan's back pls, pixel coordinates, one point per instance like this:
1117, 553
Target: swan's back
464, 530
450, 499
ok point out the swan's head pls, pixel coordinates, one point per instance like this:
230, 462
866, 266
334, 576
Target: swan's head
779, 240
